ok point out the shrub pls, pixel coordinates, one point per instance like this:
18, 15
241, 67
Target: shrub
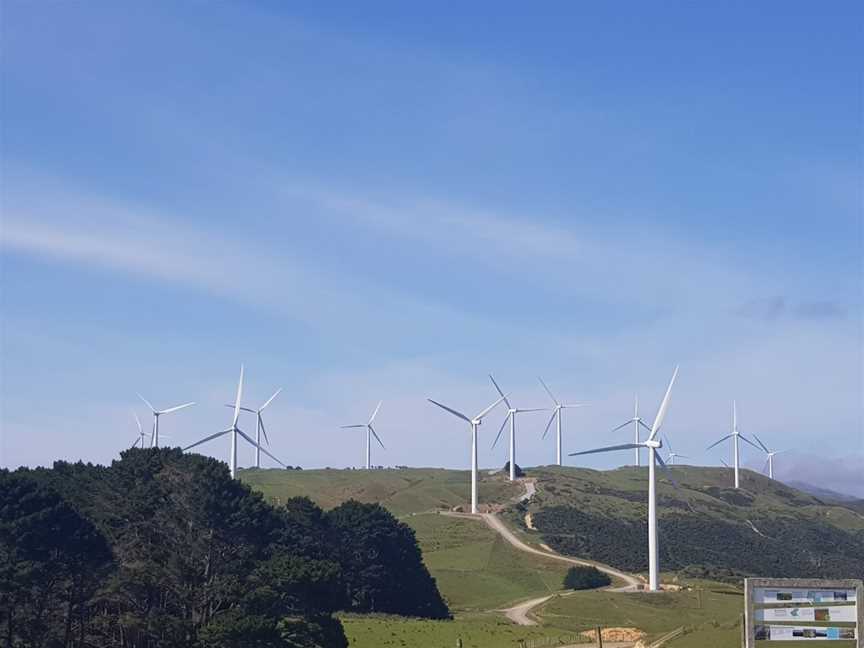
584, 577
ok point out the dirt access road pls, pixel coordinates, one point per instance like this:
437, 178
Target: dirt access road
520, 614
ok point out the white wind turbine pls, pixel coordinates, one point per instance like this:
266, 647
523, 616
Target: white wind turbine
653, 444
769, 461
141, 433
370, 432
636, 421
154, 439
474, 423
511, 416
556, 416
259, 426
234, 431
672, 454
735, 435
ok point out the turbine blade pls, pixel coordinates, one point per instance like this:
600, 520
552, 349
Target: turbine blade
452, 411
664, 406
509, 406
490, 408
137, 439
623, 446
359, 425
375, 434
716, 443
206, 439
765, 467
572, 405
177, 407
548, 391
245, 436
500, 430
546, 431
533, 409
671, 449
644, 425
270, 400
244, 409
623, 425
237, 400
147, 403
759, 441
375, 413
744, 438
138, 421
725, 464
666, 470
263, 429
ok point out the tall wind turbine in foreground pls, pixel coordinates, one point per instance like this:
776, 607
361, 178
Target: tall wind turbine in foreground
260, 426
141, 433
653, 444
511, 416
234, 431
636, 421
769, 461
154, 439
370, 432
735, 435
556, 416
474, 423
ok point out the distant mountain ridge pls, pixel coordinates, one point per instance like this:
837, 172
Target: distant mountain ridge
822, 493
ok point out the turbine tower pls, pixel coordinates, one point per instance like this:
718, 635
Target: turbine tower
653, 444
474, 423
141, 433
636, 421
154, 438
259, 426
735, 435
556, 416
769, 461
511, 416
234, 431
370, 432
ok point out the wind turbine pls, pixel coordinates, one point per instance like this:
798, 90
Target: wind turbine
735, 435
556, 416
141, 433
370, 432
636, 421
154, 439
474, 423
769, 461
234, 431
653, 443
672, 454
511, 416
259, 426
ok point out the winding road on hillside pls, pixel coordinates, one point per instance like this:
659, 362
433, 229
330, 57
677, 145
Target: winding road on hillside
520, 614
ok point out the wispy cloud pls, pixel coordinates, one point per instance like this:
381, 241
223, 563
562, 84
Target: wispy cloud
770, 309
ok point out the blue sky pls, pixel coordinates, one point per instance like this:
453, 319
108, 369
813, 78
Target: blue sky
389, 202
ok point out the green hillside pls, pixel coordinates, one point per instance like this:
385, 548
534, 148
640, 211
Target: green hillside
706, 527
401, 491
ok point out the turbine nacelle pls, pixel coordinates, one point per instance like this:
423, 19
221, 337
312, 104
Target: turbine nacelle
653, 443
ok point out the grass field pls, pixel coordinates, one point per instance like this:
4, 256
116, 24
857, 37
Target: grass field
475, 631
402, 492
478, 570
716, 614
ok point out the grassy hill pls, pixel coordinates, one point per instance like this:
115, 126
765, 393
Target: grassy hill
412, 490
706, 527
